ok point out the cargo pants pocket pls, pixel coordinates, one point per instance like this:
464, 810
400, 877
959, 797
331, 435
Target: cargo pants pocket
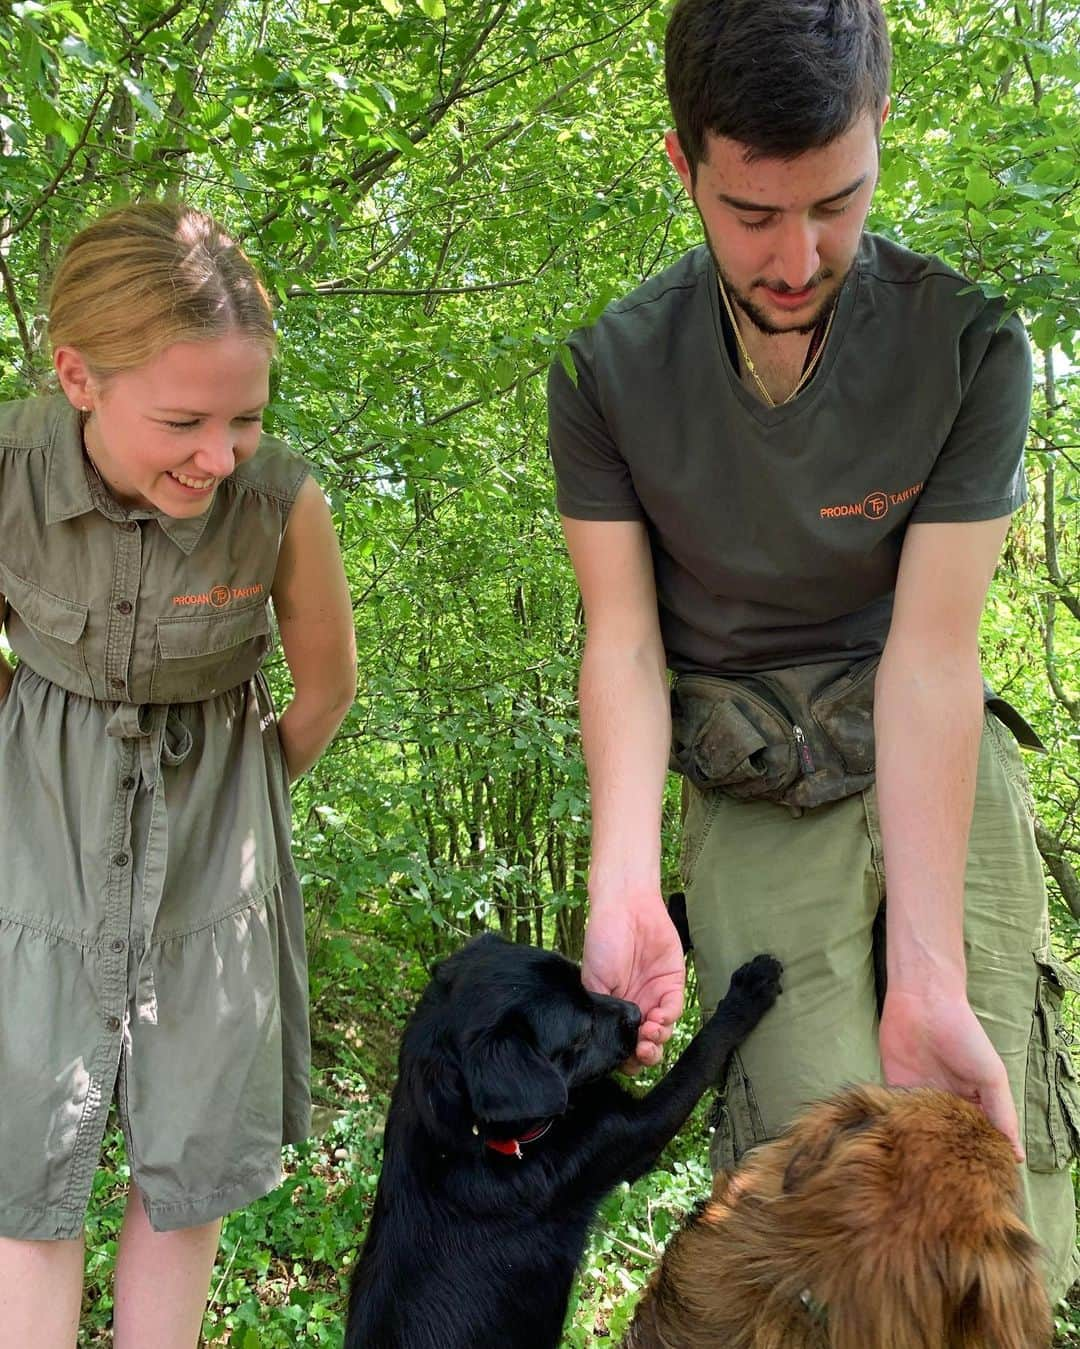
735, 1118
1052, 1090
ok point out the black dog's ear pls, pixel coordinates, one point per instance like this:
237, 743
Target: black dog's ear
430, 1076
507, 1078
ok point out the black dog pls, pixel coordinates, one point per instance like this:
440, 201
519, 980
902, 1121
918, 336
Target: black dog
504, 1133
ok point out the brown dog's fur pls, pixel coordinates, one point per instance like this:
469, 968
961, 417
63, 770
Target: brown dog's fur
882, 1219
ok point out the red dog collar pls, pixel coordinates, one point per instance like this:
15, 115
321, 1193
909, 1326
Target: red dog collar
511, 1147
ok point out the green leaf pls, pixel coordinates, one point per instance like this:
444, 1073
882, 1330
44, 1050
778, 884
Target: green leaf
42, 114
981, 188
392, 7
214, 112
434, 9
240, 129
142, 96
68, 131
1044, 331
73, 46
399, 141
385, 94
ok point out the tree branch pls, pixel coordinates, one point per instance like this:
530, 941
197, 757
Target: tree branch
16, 308
1059, 867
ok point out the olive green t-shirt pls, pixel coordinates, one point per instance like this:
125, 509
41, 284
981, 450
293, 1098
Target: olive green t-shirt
776, 532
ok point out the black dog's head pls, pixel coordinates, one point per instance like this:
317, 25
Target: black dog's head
502, 1036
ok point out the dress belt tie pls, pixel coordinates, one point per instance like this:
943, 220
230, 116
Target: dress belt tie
163, 742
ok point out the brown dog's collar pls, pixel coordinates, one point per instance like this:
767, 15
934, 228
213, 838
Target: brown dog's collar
818, 1311
511, 1147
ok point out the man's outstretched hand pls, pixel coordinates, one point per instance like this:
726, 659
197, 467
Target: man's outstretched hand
632, 951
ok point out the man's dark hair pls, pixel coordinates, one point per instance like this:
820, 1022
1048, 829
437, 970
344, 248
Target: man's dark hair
780, 76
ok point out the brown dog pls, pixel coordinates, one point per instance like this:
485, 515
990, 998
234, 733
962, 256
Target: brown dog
882, 1219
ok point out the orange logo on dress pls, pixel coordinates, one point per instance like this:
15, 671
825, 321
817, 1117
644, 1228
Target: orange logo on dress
873, 506
220, 595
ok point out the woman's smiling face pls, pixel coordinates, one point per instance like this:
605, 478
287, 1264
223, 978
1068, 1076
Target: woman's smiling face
164, 434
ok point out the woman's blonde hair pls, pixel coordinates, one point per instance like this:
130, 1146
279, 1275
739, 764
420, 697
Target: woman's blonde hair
147, 275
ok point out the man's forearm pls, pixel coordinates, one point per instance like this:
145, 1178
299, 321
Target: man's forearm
928, 721
626, 736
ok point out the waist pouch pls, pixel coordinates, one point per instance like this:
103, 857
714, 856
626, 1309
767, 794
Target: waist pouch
800, 736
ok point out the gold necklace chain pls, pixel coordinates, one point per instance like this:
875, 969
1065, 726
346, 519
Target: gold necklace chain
769, 399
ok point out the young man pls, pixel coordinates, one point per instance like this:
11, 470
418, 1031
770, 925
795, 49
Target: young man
786, 469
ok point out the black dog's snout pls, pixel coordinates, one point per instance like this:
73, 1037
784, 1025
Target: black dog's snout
629, 1021
620, 1019
629, 1013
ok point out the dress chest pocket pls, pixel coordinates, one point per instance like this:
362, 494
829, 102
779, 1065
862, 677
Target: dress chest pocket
46, 630
199, 655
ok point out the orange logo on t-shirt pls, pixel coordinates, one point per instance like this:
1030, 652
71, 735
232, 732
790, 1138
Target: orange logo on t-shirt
873, 506
220, 595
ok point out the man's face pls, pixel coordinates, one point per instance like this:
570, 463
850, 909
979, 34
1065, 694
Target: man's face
784, 232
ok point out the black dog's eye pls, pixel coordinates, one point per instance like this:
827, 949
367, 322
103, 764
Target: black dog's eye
581, 1040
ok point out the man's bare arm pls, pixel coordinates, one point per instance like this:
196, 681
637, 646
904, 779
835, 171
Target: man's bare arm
928, 723
631, 948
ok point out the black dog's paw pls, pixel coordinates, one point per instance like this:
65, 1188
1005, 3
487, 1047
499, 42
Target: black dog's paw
757, 983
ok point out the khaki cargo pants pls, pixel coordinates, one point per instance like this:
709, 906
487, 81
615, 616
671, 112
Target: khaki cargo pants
809, 889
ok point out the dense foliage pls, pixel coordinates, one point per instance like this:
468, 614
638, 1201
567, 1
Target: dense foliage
438, 192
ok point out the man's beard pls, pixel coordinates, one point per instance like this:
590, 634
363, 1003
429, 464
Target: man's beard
755, 315
764, 324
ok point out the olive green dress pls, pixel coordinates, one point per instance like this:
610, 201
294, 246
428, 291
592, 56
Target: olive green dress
151, 923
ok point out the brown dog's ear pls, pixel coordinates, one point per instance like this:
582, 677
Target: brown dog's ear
507, 1078
987, 1299
823, 1129
1004, 1304
983, 1293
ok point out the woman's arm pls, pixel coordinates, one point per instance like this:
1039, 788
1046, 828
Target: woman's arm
314, 614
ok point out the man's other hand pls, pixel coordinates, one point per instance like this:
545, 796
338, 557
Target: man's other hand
937, 1041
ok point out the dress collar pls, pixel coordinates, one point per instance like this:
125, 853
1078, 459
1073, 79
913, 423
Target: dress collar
73, 486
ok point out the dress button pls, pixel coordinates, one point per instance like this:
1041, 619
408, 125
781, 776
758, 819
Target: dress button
127, 783
116, 683
119, 944
112, 1023
130, 526
121, 859
124, 607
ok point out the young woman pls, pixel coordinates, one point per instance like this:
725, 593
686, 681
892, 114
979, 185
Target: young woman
151, 926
